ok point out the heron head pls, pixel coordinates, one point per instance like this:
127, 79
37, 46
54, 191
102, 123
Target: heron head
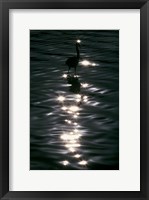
78, 42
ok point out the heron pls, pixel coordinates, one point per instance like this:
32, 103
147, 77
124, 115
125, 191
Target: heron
72, 62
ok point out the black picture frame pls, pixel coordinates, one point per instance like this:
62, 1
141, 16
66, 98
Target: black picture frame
5, 5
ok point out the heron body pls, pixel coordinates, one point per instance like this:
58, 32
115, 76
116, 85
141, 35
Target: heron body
72, 62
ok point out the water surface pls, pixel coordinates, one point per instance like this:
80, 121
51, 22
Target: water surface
74, 121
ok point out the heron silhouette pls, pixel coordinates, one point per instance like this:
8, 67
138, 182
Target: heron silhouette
72, 62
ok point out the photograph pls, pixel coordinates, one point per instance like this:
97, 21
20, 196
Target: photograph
74, 100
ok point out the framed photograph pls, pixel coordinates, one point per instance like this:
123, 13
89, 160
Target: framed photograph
74, 99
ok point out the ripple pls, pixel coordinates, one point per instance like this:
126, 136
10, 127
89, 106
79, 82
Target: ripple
74, 128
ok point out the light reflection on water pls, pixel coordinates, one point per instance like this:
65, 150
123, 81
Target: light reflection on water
87, 63
72, 140
74, 119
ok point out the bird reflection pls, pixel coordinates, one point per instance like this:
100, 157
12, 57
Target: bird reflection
74, 84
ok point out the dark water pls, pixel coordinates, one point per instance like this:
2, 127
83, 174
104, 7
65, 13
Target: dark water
74, 120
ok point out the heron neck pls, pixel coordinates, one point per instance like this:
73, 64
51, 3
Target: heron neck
78, 53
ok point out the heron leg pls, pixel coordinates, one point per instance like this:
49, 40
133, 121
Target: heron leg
75, 70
